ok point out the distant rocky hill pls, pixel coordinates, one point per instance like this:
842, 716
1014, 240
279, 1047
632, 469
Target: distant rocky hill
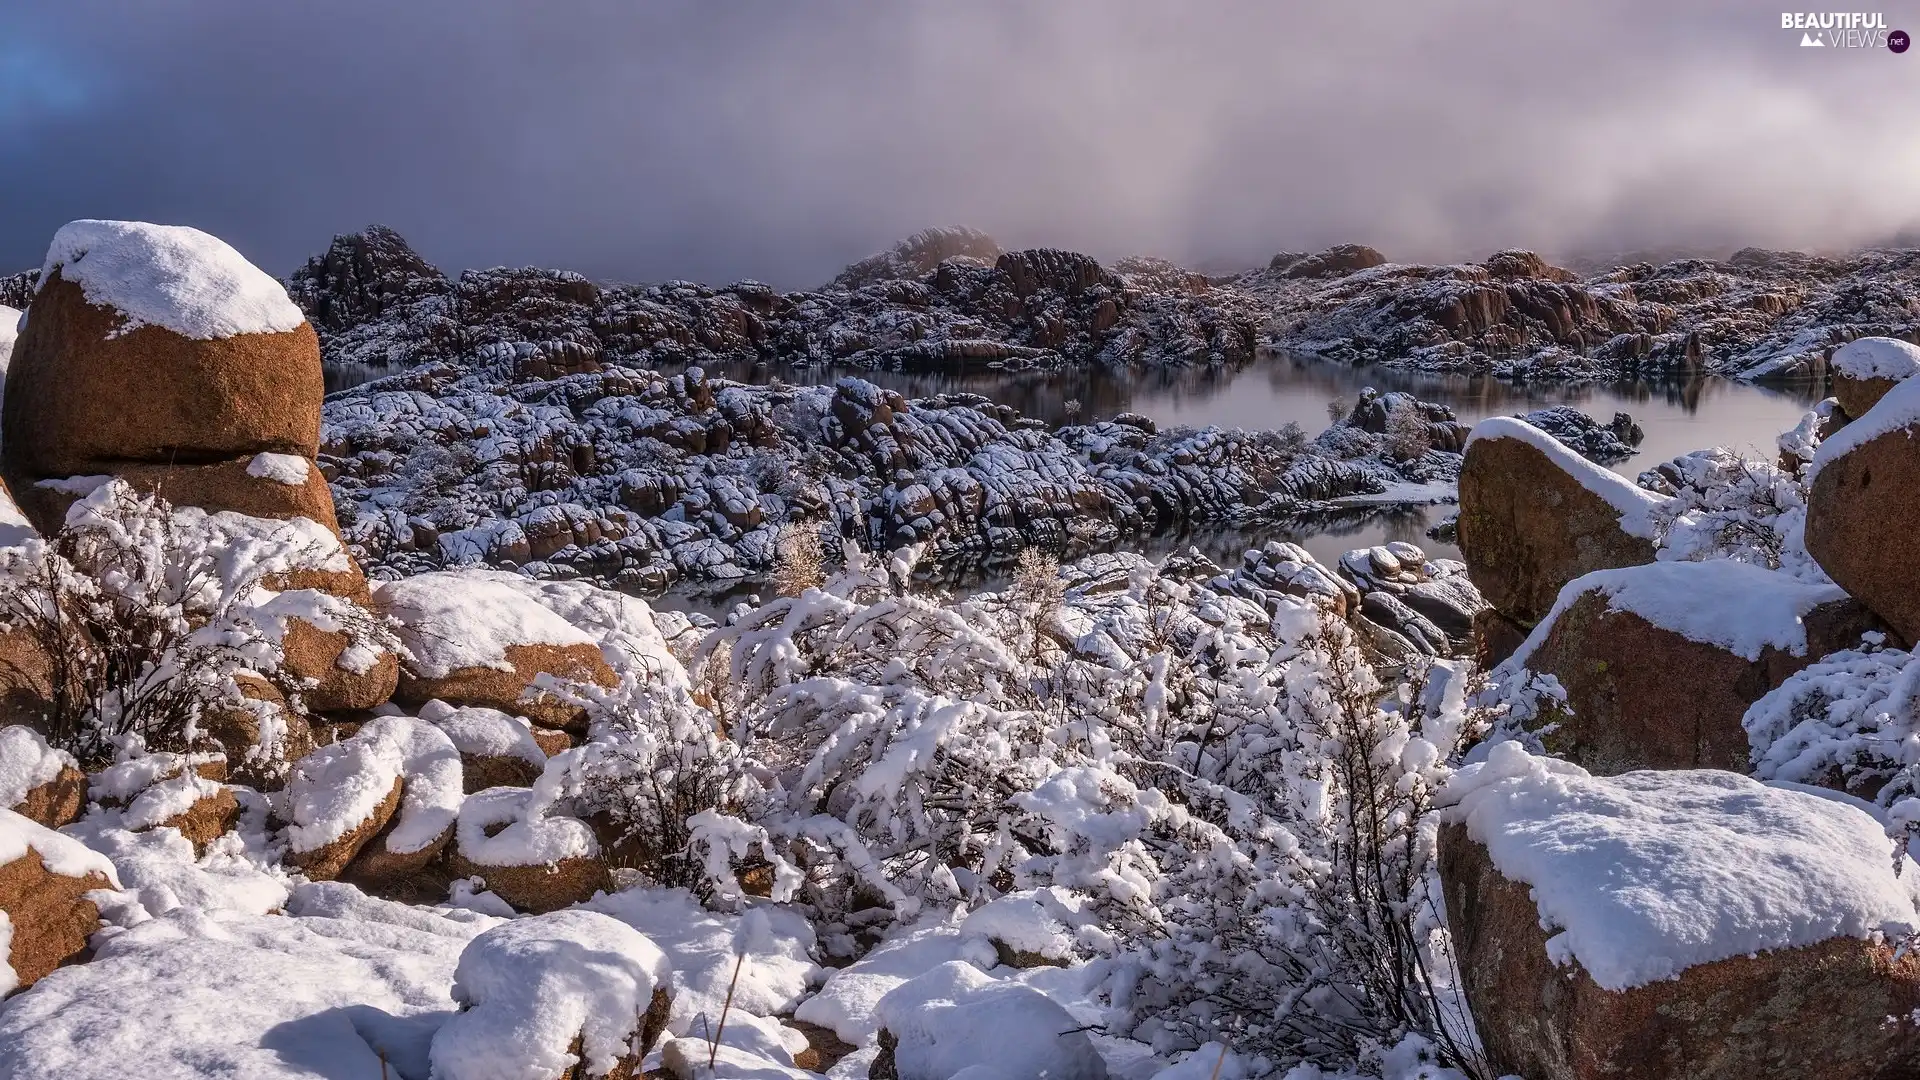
1757, 315
943, 294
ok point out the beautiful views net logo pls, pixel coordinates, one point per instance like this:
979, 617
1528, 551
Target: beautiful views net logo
1844, 30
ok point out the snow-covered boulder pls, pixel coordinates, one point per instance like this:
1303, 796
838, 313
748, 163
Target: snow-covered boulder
1861, 509
38, 781
1866, 368
1684, 923
150, 345
565, 996
1534, 515
496, 750
45, 914
956, 1018
526, 851
377, 809
1660, 662
478, 638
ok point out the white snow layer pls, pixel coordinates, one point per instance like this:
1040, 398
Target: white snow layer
1642, 876
322, 991
170, 276
59, 854
336, 788
506, 826
1737, 606
289, 469
1876, 358
1634, 504
957, 1018
455, 619
26, 762
1898, 409
533, 986
482, 732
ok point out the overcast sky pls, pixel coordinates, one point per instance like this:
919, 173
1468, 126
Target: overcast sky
714, 140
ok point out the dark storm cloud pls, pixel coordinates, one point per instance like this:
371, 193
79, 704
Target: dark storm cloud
652, 139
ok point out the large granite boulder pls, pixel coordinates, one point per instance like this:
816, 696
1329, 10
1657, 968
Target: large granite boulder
1534, 515
1865, 369
158, 347
1675, 924
1861, 510
565, 996
1660, 662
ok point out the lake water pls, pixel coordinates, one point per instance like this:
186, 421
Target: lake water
1278, 389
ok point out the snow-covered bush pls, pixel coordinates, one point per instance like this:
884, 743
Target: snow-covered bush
143, 615
1725, 506
1242, 806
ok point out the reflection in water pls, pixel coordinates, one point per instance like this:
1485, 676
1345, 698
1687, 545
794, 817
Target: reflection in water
1277, 389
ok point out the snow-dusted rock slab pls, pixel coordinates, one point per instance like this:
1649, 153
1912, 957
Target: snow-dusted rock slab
1534, 515
1866, 368
1660, 662
1688, 923
956, 1020
477, 637
1861, 511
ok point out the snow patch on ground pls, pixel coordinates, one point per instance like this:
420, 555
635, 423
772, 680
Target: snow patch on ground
170, 276
1644, 875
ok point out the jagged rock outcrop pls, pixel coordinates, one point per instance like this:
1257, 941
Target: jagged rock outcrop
1758, 315
940, 296
1336, 261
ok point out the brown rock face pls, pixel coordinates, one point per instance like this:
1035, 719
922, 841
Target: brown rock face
1817, 1011
326, 862
313, 653
83, 398
26, 680
496, 689
1860, 514
1495, 637
1526, 528
50, 915
1858, 395
539, 889
57, 802
207, 820
415, 877
1646, 697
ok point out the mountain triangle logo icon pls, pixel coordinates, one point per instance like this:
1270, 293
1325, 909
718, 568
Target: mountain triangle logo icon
1808, 41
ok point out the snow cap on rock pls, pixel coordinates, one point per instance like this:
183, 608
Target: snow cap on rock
1644, 875
171, 276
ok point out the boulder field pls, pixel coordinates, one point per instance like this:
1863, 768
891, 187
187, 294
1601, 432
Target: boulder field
1618, 908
